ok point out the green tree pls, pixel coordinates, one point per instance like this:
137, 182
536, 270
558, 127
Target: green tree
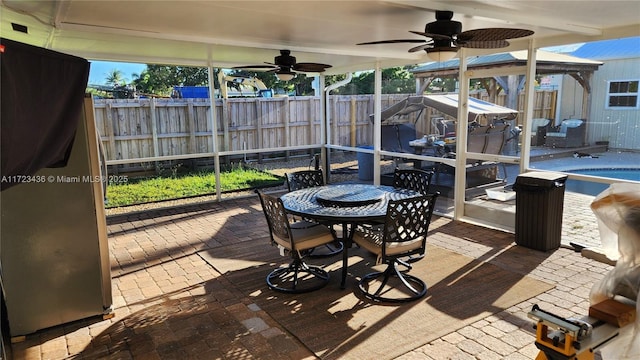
115, 87
396, 80
443, 85
115, 77
160, 79
302, 84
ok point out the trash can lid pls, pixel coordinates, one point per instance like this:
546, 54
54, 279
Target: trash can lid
543, 175
539, 179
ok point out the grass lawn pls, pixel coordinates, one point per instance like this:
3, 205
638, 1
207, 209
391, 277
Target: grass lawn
141, 191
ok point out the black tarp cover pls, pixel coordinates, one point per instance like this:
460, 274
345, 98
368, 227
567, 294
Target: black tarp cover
42, 93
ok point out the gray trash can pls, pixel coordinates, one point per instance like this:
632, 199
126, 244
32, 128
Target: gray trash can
539, 207
365, 164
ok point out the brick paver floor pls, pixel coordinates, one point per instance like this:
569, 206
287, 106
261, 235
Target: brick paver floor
170, 303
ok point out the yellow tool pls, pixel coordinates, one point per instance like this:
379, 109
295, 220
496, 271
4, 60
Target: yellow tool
576, 339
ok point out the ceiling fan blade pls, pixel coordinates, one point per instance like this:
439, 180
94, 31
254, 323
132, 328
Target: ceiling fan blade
492, 34
495, 44
433, 36
256, 67
421, 47
310, 67
445, 33
416, 41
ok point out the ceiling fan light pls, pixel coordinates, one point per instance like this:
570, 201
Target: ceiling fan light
285, 76
441, 55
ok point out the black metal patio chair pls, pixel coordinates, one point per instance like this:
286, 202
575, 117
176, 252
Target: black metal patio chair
305, 179
298, 277
401, 242
413, 179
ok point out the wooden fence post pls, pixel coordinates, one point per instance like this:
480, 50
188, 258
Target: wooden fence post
287, 120
259, 127
110, 133
191, 121
226, 140
312, 123
334, 118
552, 107
154, 130
353, 121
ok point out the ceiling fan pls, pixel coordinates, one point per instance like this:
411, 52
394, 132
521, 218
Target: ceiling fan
447, 37
285, 66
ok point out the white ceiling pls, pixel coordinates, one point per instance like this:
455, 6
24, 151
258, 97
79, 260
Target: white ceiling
233, 33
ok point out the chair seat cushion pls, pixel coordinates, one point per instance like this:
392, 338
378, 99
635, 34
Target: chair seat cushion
307, 237
371, 240
572, 123
302, 224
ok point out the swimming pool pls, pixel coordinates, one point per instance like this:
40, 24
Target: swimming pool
594, 188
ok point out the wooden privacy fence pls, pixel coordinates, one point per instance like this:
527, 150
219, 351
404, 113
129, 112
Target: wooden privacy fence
132, 129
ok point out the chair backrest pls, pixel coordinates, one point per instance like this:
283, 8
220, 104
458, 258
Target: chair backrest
397, 137
538, 122
304, 179
496, 137
477, 138
412, 179
570, 123
407, 223
277, 220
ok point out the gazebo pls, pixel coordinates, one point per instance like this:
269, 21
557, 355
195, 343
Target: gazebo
547, 63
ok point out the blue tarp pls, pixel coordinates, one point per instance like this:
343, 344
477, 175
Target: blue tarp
192, 92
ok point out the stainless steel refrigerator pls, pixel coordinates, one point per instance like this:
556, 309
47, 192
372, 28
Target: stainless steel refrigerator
54, 250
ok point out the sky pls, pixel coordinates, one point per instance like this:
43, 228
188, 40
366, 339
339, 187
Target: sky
99, 70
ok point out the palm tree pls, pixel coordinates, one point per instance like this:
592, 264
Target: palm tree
115, 78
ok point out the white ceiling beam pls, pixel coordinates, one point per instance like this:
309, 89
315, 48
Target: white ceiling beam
235, 42
60, 11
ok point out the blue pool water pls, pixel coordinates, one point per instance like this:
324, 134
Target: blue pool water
593, 188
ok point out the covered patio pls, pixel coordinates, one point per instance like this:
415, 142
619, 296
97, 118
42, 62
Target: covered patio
178, 294
187, 282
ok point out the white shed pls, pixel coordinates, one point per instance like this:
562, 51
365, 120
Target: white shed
615, 96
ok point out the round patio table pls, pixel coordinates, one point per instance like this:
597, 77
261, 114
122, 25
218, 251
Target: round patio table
345, 204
